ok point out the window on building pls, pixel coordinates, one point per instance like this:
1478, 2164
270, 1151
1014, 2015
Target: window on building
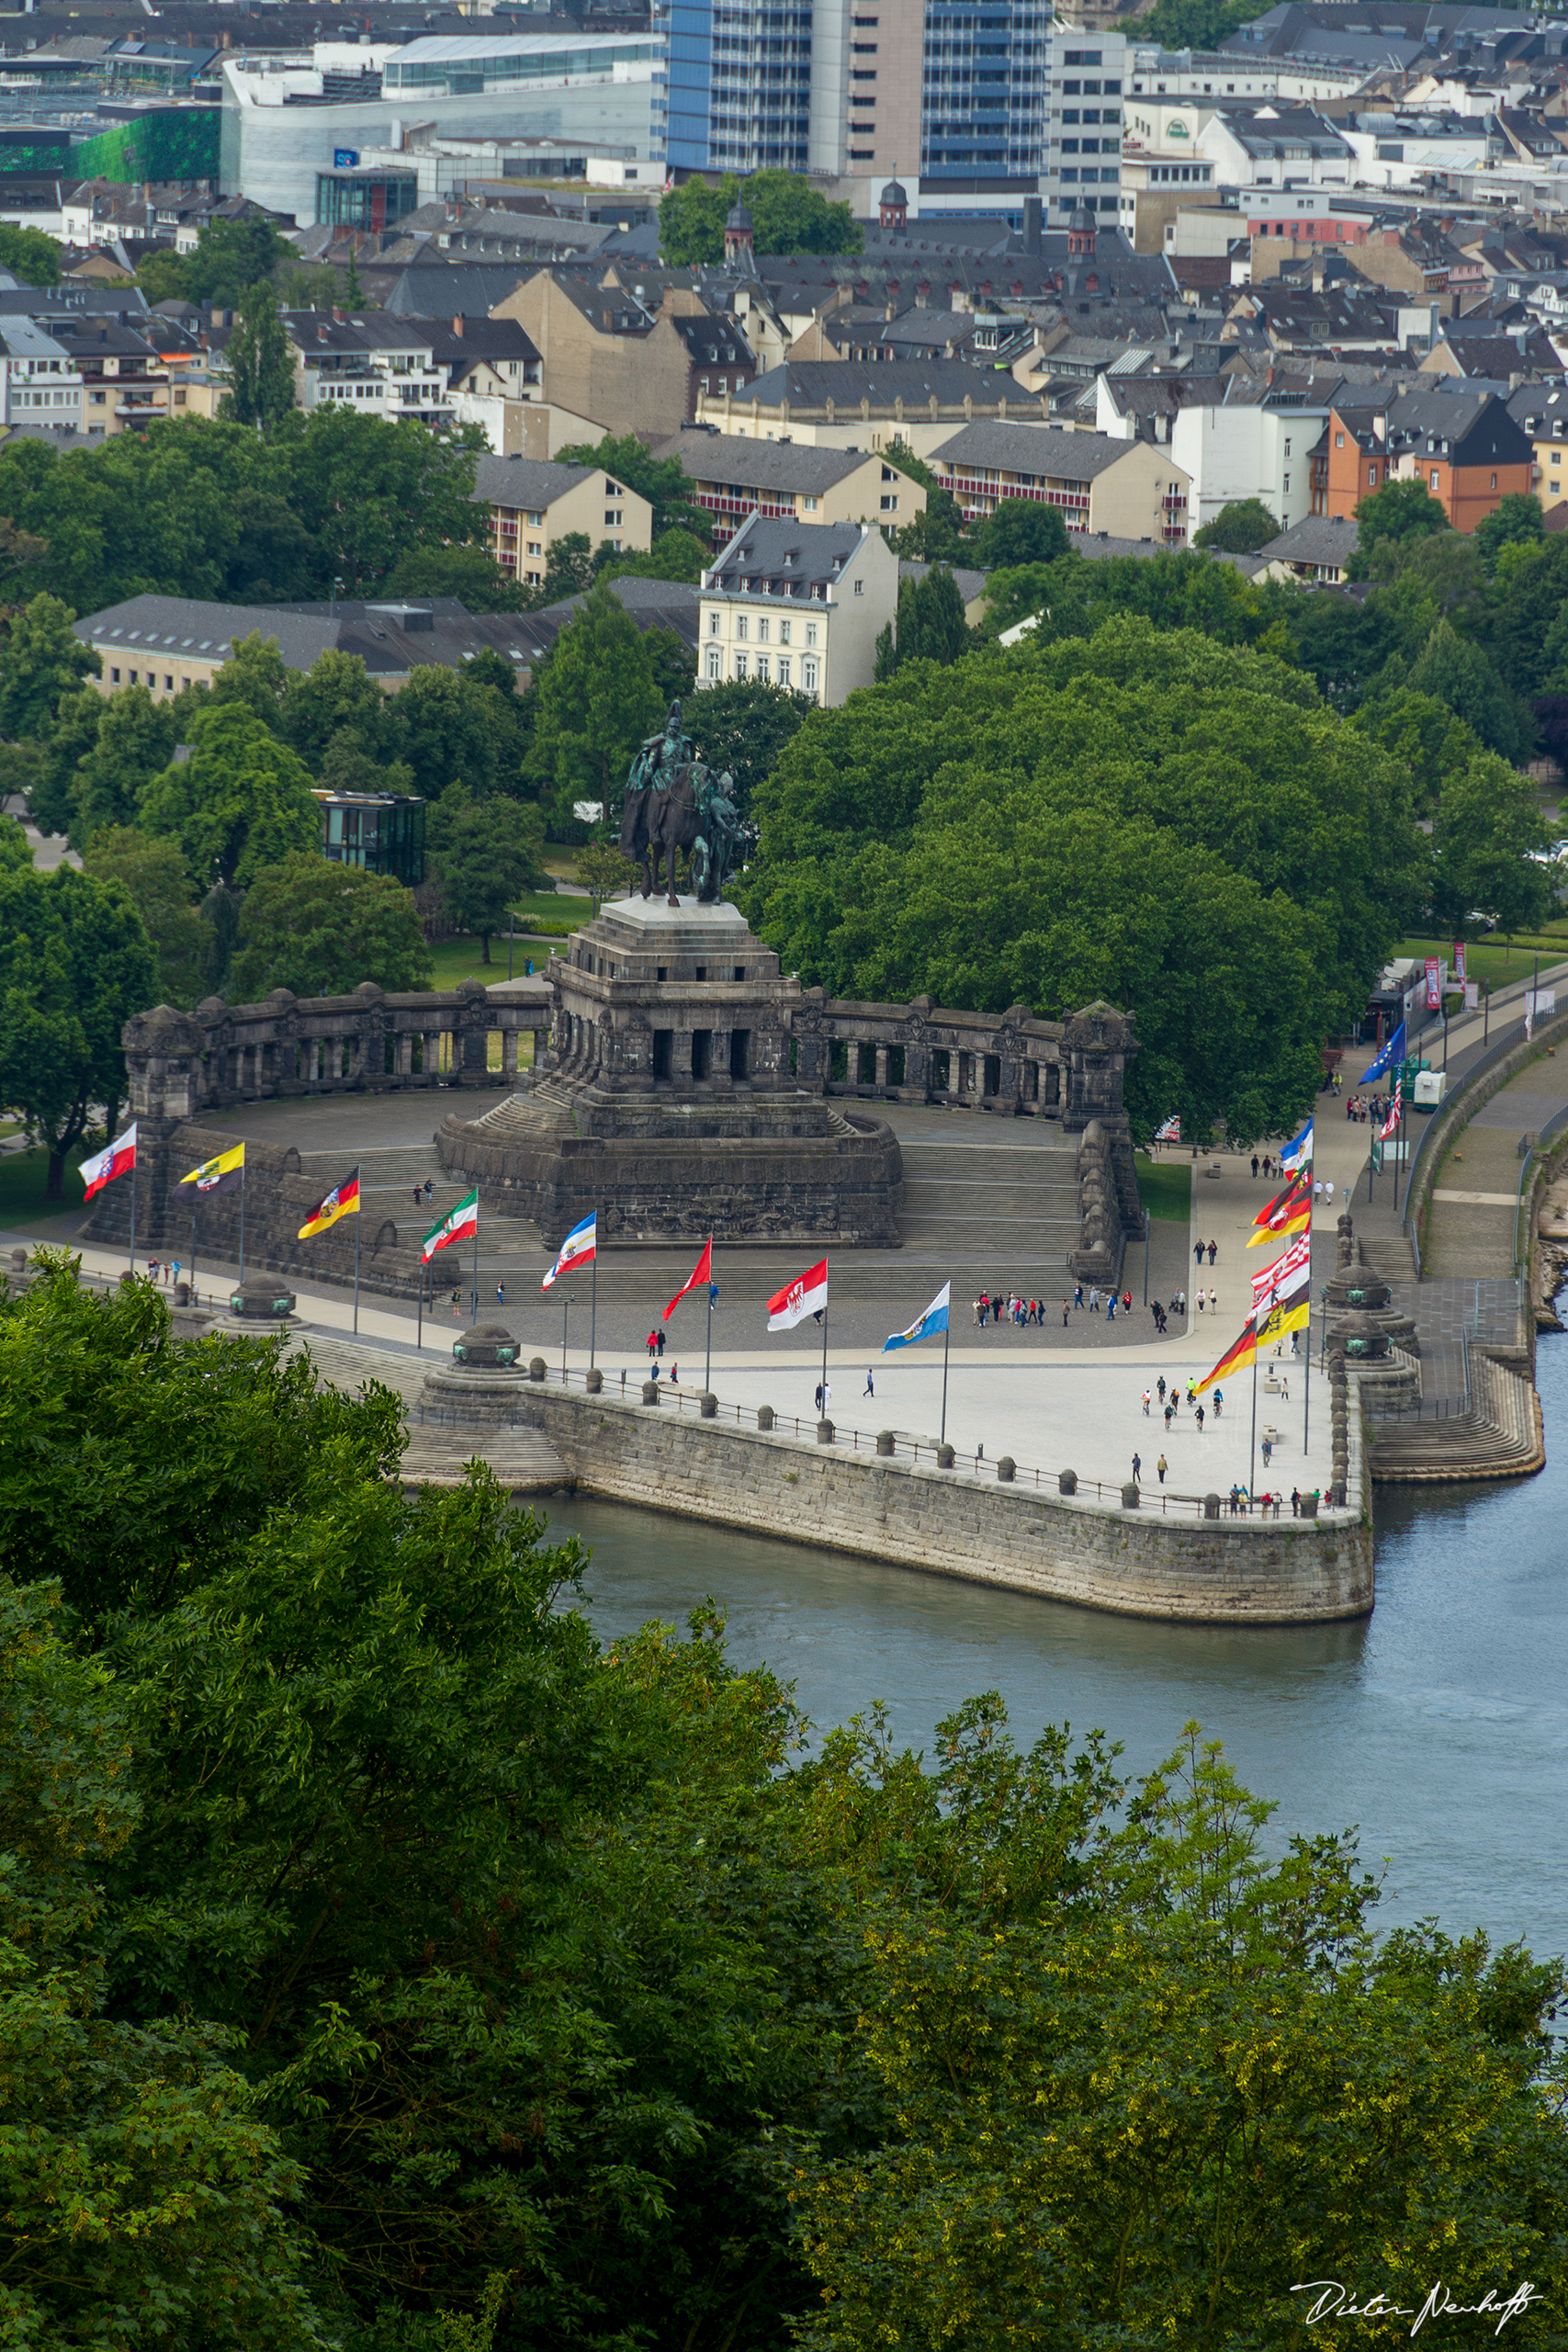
715, 663
783, 632
1493, 481
1434, 477
740, 665
169, 683
808, 675
762, 667
811, 632
114, 677
783, 669
809, 504
860, 587
611, 518
536, 519
890, 506
714, 625
741, 625
1373, 475
1339, 440
763, 629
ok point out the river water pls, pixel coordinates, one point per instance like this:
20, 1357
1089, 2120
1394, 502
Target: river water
1438, 1726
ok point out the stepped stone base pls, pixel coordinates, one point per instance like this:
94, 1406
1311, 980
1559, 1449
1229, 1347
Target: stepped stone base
790, 1169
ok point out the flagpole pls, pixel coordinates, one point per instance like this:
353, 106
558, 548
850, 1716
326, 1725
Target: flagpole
241, 1224
475, 1316
1306, 1414
1252, 1479
822, 1412
593, 1294
945, 1337
131, 1260
707, 1360
419, 1328
358, 1214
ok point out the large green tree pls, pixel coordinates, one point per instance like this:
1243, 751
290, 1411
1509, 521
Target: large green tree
1399, 510
41, 662
1487, 823
1239, 528
742, 726
135, 740
33, 258
240, 801
154, 873
485, 854
1021, 530
259, 364
930, 624
597, 703
75, 964
788, 216
1148, 817
323, 928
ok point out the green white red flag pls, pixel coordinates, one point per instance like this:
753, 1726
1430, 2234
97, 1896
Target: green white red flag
456, 1223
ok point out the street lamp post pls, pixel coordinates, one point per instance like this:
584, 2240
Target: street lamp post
566, 1308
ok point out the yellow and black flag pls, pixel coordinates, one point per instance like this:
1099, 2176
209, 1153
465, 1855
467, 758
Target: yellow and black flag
341, 1200
224, 1174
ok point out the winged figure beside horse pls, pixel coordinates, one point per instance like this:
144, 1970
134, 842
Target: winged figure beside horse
675, 805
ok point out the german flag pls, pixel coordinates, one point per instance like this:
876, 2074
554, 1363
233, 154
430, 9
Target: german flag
1290, 1316
1290, 1211
1237, 1356
341, 1200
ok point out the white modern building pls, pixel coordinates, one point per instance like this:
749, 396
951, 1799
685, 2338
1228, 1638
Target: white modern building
43, 383
1086, 105
288, 118
1231, 447
797, 605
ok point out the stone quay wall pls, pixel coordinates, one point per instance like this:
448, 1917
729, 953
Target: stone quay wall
1133, 1563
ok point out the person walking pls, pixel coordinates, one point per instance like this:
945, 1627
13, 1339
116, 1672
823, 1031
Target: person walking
456, 1307
1267, 1450
819, 1396
652, 1345
418, 1197
1219, 1400
1214, 1302
1160, 1386
1110, 1308
1200, 1302
1161, 1467
868, 1390
1255, 1168
674, 1375
1169, 1417
1214, 1251
1197, 1253
1200, 1420
1065, 1312
1148, 1399
1077, 1293
1138, 1468
501, 1294
1295, 1502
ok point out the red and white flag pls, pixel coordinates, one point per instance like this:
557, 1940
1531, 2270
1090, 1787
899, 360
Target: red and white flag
1281, 1279
808, 1295
701, 1273
118, 1160
1390, 1124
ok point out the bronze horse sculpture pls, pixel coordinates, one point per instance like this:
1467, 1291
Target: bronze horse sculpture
660, 822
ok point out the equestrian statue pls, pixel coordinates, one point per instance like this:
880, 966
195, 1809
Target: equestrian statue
675, 804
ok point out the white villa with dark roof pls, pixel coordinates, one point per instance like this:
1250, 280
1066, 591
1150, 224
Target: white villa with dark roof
797, 605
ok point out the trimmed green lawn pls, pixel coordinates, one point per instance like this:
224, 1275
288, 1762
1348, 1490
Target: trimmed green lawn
1493, 959
23, 1175
1165, 1186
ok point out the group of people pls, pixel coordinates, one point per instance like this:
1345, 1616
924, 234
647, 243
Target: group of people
1010, 1309
1242, 1503
1367, 1106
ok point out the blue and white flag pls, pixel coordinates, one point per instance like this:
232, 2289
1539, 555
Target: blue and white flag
1393, 1052
581, 1244
933, 1320
1298, 1155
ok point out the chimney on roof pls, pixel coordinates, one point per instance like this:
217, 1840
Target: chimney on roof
339, 315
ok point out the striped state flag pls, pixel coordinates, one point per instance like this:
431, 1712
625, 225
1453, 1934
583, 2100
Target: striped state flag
1242, 1351
341, 1200
462, 1220
1289, 1212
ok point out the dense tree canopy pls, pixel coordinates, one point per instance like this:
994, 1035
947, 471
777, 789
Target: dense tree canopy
597, 703
788, 216
75, 964
240, 801
323, 928
484, 852
1149, 818
1240, 528
393, 1966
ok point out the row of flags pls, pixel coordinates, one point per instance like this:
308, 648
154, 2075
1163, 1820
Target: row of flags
1281, 1293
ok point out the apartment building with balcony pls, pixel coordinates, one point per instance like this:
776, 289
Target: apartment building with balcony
534, 501
43, 383
1132, 490
382, 366
797, 605
734, 477
124, 377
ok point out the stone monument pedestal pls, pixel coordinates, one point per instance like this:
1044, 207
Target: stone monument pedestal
668, 1105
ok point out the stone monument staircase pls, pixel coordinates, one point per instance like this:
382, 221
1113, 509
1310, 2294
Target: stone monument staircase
510, 1249
1001, 1206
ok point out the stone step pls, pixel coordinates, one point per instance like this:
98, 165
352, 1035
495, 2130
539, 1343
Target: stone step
1392, 1261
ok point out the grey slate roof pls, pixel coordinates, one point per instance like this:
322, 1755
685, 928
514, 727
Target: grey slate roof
1034, 449
759, 465
164, 628
800, 554
526, 481
811, 383
652, 604
970, 582
1317, 538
